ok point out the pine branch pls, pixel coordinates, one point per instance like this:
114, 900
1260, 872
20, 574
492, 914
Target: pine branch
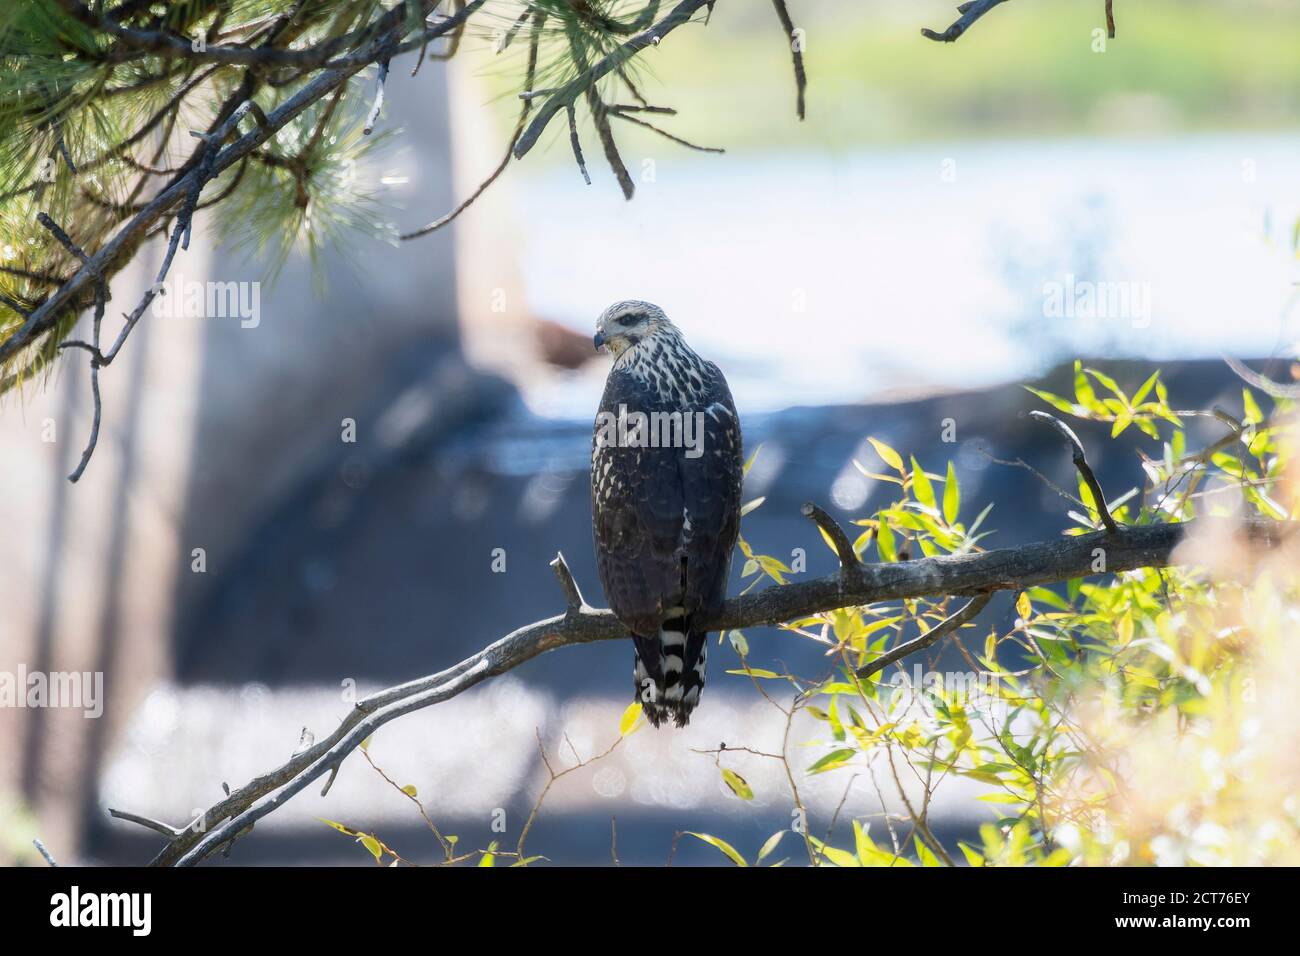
566, 96
207, 162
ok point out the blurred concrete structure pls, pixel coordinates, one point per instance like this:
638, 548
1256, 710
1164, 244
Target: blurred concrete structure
206, 423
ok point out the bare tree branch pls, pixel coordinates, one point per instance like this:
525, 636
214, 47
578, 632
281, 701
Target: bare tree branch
572, 596
970, 12
835, 534
148, 823
1080, 463
96, 359
978, 574
929, 638
796, 51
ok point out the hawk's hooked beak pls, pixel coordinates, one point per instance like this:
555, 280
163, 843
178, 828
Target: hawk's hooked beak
598, 340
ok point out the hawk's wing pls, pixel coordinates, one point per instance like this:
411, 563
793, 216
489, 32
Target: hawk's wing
711, 492
665, 523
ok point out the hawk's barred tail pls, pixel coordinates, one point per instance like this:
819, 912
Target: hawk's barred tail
669, 671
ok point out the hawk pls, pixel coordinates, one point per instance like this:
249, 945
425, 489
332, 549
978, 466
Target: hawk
666, 474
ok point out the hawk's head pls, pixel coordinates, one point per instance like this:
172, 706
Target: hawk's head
624, 324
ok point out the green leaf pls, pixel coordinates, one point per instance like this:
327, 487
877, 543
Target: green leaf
722, 845
1146, 387
885, 545
737, 784
1056, 401
834, 759
833, 718
770, 845
951, 496
757, 672
1253, 414
921, 486
1110, 384
1083, 392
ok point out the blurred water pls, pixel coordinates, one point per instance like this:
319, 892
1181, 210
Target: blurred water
819, 278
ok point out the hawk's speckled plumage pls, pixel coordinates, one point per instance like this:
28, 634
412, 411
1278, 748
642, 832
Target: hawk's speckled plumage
665, 522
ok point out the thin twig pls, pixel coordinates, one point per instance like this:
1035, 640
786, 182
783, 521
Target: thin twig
830, 527
148, 823
1080, 463
373, 118
622, 113
572, 596
940, 630
101, 298
576, 143
796, 51
40, 848
530, 72
600, 116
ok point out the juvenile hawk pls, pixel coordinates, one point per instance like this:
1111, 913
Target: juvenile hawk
666, 471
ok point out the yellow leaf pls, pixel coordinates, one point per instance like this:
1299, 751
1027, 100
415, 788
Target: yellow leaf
1023, 607
890, 457
628, 722
1125, 627
371, 844
737, 784
337, 826
722, 845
